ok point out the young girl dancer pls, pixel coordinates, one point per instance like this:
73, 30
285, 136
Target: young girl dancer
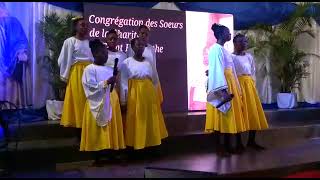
145, 125
227, 119
74, 57
113, 53
102, 121
252, 108
150, 54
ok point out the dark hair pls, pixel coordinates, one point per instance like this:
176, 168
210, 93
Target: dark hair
218, 30
95, 45
133, 41
237, 37
112, 31
74, 25
143, 26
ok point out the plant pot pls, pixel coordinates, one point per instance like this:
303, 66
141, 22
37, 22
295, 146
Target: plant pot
287, 100
54, 109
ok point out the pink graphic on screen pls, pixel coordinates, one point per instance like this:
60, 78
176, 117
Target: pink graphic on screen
199, 40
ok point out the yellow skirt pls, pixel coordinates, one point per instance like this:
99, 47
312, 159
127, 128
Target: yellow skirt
96, 138
231, 122
159, 93
75, 99
252, 108
145, 124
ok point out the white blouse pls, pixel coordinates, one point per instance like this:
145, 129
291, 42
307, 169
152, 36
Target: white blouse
133, 69
113, 55
98, 94
220, 59
150, 54
73, 50
244, 65
227, 58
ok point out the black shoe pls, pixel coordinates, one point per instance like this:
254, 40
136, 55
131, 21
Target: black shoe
256, 146
239, 149
121, 158
223, 152
98, 163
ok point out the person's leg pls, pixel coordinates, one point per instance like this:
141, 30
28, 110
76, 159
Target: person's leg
97, 155
217, 142
225, 149
252, 143
239, 146
227, 142
78, 134
216, 138
119, 155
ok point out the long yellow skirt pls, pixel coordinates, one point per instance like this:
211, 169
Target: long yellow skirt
252, 108
231, 122
96, 138
145, 124
159, 93
75, 99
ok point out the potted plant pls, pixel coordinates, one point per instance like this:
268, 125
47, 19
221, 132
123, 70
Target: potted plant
288, 63
55, 30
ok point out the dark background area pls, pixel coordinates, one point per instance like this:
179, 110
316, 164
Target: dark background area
172, 64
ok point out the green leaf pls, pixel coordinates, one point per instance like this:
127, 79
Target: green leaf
278, 43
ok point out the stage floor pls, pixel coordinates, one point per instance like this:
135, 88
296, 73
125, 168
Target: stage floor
292, 139
273, 162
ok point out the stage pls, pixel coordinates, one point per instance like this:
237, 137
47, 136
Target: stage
274, 162
292, 144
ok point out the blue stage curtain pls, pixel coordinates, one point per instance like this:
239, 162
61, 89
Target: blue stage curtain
245, 14
78, 6
74, 6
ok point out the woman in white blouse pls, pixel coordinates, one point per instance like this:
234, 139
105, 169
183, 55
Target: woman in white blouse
150, 54
252, 108
74, 57
222, 81
145, 124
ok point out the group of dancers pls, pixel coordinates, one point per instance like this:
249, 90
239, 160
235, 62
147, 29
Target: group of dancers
112, 111
92, 103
